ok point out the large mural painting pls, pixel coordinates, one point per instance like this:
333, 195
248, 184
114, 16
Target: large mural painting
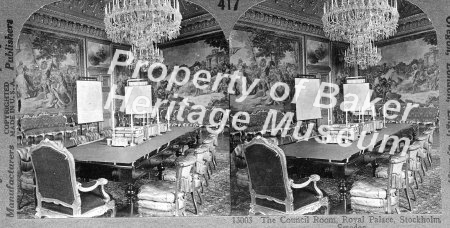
262, 55
47, 69
408, 72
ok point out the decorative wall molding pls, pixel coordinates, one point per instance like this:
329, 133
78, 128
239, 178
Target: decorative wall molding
314, 20
62, 22
276, 22
408, 28
199, 25
415, 23
42, 20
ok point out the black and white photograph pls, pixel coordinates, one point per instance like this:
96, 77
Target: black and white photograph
225, 113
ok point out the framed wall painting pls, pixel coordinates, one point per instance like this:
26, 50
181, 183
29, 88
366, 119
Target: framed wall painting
48, 66
98, 56
317, 55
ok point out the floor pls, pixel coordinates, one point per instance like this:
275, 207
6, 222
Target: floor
216, 196
428, 195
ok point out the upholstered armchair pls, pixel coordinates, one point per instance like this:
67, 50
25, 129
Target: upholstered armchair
167, 198
57, 191
211, 142
26, 174
426, 140
190, 181
271, 191
381, 195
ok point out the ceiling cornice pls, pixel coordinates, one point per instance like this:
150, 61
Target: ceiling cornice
314, 20
51, 11
278, 23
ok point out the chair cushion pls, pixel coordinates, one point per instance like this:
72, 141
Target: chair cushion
242, 177
382, 172
302, 197
242, 174
369, 190
170, 174
159, 191
305, 196
202, 149
239, 150
154, 213
27, 180
156, 160
167, 152
186, 181
89, 201
273, 140
169, 161
208, 140
159, 206
371, 202
368, 208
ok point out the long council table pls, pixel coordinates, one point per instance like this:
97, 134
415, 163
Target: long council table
95, 160
338, 160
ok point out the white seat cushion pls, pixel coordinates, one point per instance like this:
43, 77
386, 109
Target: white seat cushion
159, 191
368, 190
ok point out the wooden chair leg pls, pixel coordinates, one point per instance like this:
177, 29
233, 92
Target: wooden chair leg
195, 202
200, 196
420, 175
209, 175
415, 180
423, 165
408, 199
206, 180
429, 158
210, 167
414, 193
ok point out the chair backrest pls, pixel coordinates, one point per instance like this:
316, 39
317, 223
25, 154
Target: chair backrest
54, 168
266, 164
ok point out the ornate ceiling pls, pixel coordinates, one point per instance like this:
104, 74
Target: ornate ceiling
295, 16
314, 8
310, 9
94, 9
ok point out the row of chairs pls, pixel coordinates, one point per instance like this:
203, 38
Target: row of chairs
380, 193
184, 169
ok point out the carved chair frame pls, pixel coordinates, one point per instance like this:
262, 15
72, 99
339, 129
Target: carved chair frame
288, 184
76, 187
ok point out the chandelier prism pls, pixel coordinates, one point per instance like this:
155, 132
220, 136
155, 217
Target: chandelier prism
142, 23
360, 23
363, 55
353, 20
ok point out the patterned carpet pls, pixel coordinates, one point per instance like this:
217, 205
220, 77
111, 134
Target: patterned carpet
216, 197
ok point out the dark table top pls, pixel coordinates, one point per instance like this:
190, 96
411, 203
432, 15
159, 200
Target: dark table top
100, 152
312, 149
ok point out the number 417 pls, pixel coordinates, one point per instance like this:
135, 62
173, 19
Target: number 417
222, 4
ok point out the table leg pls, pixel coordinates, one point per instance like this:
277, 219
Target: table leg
160, 171
343, 193
130, 193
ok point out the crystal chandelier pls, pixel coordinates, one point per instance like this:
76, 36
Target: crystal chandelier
150, 54
143, 23
364, 55
360, 23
